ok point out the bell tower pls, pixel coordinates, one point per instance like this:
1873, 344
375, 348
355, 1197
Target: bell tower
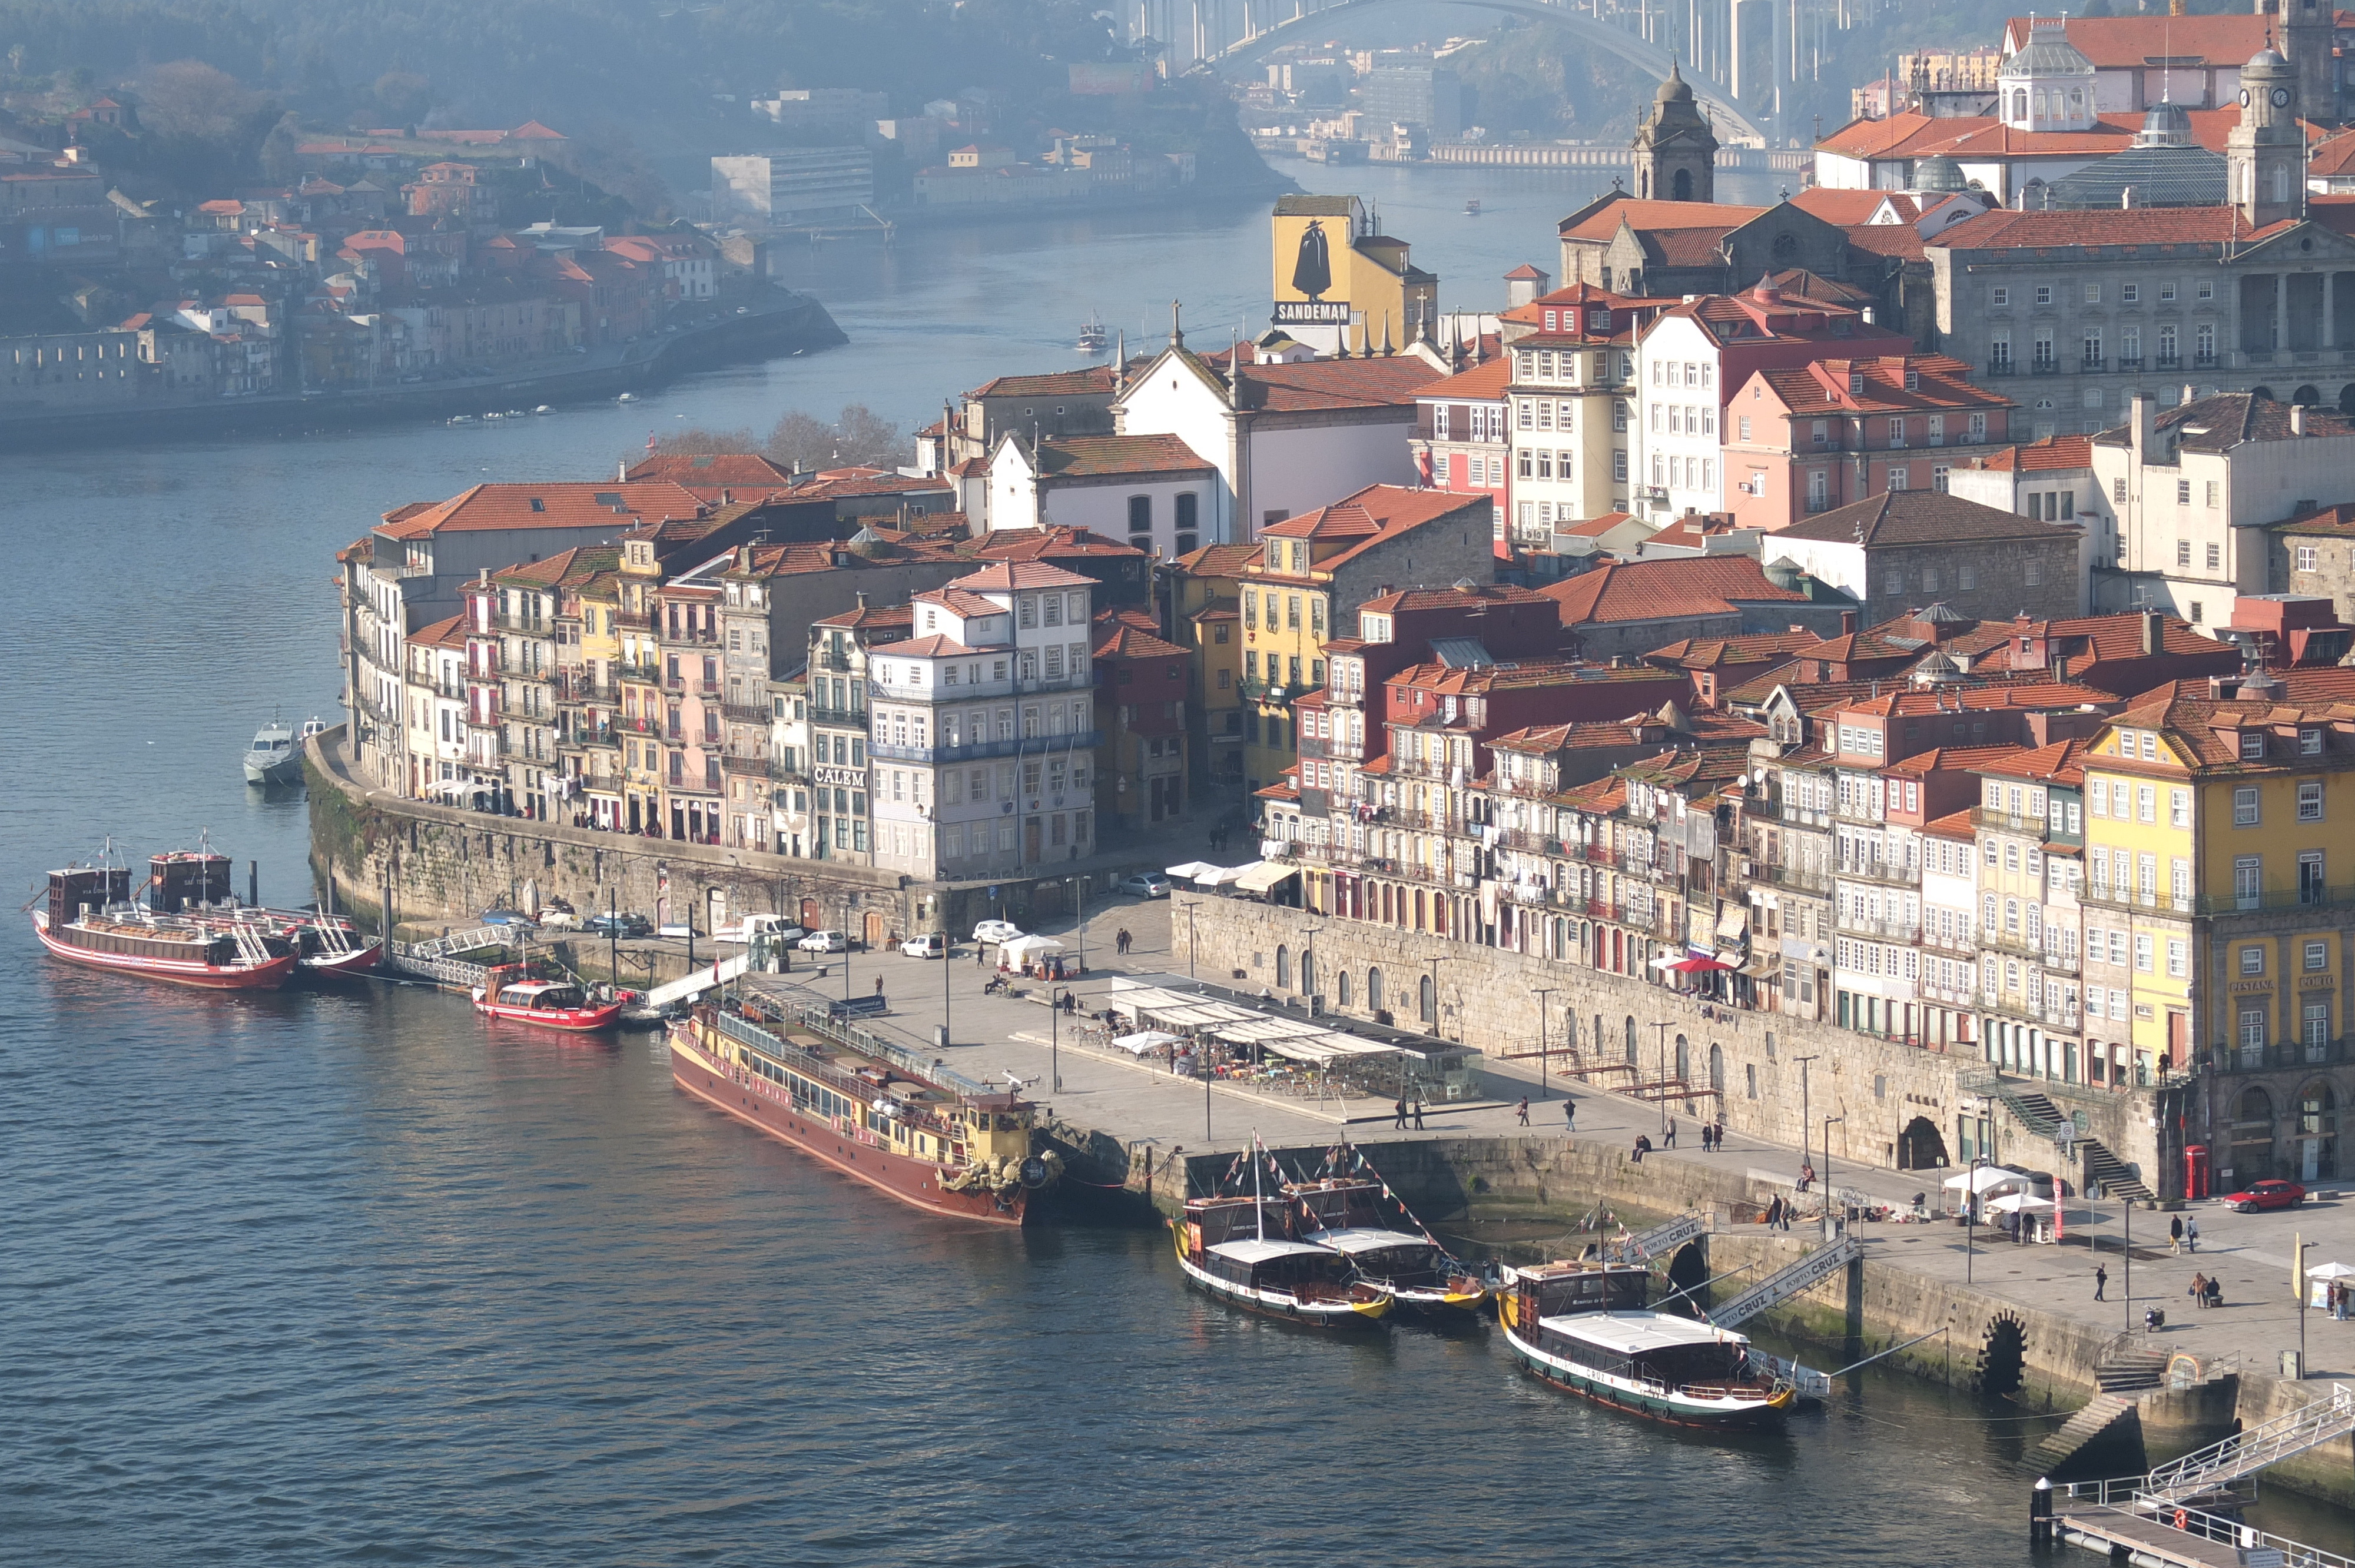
2307, 37
1676, 151
2264, 154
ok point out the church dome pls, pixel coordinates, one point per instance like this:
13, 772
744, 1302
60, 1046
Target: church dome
2266, 63
1675, 89
2167, 125
1939, 173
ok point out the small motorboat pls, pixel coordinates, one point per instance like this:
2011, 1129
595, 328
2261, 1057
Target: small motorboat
545, 408
1471, 207
462, 419
627, 398
508, 992
1094, 339
273, 758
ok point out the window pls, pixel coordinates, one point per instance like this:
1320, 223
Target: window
2183, 552
2310, 743
2092, 293
2307, 556
2317, 956
2253, 746
2205, 292
2183, 498
2310, 800
2167, 293
1998, 295
2130, 293
2043, 293
2253, 961
2142, 951
2179, 809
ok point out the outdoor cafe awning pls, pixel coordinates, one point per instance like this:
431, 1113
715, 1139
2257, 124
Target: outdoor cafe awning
1695, 964
1192, 870
1262, 875
1145, 1039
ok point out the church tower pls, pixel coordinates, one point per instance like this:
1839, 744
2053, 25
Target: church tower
2307, 37
1676, 151
2264, 153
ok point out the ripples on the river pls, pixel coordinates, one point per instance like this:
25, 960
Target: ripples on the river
340, 1276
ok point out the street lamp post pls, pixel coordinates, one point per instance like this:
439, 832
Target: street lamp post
846, 908
1971, 1228
1828, 1229
1308, 959
1079, 886
1805, 1126
1542, 992
1663, 1028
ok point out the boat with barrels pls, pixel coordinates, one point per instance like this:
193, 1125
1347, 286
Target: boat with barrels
1367, 1224
926, 1136
90, 919
1586, 1327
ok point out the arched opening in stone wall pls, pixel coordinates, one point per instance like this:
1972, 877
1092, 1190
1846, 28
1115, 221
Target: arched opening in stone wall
1688, 1270
1717, 1073
1426, 1000
1920, 1147
1284, 966
1341, 987
1308, 973
2003, 1356
1631, 1039
1684, 1061
1373, 990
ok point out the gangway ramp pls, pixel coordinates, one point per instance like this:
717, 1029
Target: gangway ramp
693, 985
1784, 1283
2218, 1465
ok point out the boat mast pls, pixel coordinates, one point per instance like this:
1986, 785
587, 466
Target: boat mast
1259, 1210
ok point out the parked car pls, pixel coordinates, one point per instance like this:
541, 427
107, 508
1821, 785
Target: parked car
931, 944
1145, 884
621, 925
2266, 1195
777, 927
996, 931
677, 928
559, 916
825, 942
506, 918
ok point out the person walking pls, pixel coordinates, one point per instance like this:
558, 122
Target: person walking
2191, 1233
1398, 1115
879, 985
2198, 1290
1418, 1113
1773, 1211
2101, 1282
2175, 1236
1569, 1114
1718, 1142
1522, 1111
1668, 1138
1120, 941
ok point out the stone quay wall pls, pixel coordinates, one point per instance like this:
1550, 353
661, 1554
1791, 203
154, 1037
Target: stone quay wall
442, 867
1488, 998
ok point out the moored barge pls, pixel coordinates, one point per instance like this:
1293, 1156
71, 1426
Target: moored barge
90, 918
928, 1142
1585, 1327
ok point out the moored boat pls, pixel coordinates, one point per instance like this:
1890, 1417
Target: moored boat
194, 886
91, 919
1094, 339
274, 759
932, 1143
1586, 1326
507, 991
1225, 1249
1362, 1221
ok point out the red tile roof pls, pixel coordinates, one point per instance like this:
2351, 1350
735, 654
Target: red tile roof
1333, 383
1482, 383
1664, 590
747, 470
2051, 453
1004, 576
1447, 598
1123, 641
2004, 229
1091, 379
450, 633
933, 647
1941, 383
1601, 223
1089, 457
1919, 517
868, 617
2130, 43
564, 504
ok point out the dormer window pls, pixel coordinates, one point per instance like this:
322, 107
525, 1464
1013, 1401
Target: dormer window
2310, 743
1913, 381
2253, 746
1275, 554
1856, 383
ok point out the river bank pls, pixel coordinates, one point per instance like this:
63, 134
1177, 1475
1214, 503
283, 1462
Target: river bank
777, 321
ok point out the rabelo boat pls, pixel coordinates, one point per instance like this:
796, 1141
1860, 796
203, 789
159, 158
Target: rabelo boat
1586, 1326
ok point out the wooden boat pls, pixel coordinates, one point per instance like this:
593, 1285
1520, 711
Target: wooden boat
926, 1139
91, 920
1360, 1220
196, 885
1225, 1249
507, 992
1585, 1327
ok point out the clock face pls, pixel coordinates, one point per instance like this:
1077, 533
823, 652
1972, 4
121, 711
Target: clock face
2281, 96
2244, 98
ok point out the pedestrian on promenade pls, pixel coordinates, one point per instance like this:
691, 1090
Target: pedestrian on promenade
2191, 1233
1120, 939
1773, 1211
1569, 1114
1418, 1113
1522, 1111
1643, 1146
2198, 1291
1718, 1142
1398, 1115
1668, 1138
2175, 1236
2101, 1282
1806, 1175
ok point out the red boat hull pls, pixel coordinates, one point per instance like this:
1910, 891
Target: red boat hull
571, 1019
755, 1100
359, 961
267, 976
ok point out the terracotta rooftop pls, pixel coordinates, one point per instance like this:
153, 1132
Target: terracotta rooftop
871, 617
2004, 229
1448, 598
1218, 560
2051, 453
616, 505
1086, 457
1372, 516
1482, 383
1919, 517
933, 647
1123, 640
1664, 590
703, 470
1003, 576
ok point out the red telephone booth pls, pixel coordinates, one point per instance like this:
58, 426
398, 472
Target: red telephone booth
2195, 1170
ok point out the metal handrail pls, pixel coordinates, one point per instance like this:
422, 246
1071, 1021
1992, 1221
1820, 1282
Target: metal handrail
2245, 1453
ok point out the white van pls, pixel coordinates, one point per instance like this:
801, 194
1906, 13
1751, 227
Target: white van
931, 944
777, 927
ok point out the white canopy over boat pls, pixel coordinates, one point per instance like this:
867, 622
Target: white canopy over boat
1633, 1333
1255, 1252
1367, 1238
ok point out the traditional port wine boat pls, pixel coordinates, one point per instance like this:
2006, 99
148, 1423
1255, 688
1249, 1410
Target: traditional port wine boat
195, 885
91, 920
1585, 1327
926, 1138
1361, 1220
509, 991
1225, 1249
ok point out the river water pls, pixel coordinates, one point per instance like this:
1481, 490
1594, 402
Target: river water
321, 1278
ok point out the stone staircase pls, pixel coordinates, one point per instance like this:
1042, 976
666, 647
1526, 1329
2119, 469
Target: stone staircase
2129, 1371
2063, 1444
2045, 1120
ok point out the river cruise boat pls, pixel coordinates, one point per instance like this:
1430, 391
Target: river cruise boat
507, 991
1586, 1326
1360, 1220
929, 1139
1094, 339
90, 918
1244, 1251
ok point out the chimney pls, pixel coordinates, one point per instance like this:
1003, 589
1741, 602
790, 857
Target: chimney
2141, 429
1848, 624
861, 597
2297, 418
2154, 632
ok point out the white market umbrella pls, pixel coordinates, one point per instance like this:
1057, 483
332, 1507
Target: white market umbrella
2020, 1202
1021, 948
1984, 1178
2329, 1271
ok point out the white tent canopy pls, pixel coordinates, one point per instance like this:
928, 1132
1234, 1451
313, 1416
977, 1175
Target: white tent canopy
2022, 1203
1262, 876
1022, 949
1145, 1039
2329, 1271
1192, 870
1214, 875
1985, 1178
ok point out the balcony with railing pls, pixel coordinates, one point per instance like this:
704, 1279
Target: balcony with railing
844, 718
1879, 930
744, 767
1882, 871
1027, 746
1797, 878
2003, 365
2014, 945
2270, 899
2275, 1053
2128, 898
2049, 1014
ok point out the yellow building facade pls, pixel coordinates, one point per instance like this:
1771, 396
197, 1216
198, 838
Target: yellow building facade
1339, 281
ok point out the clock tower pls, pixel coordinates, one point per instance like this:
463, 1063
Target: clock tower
2265, 154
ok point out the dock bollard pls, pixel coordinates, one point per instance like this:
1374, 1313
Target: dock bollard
2040, 1514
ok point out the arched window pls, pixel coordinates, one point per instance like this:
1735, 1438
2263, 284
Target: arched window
1307, 972
1684, 1061
1426, 1000
1717, 1071
2281, 183
1631, 1039
1140, 514
1284, 966
1373, 990
1341, 986
1569, 1032
2019, 106
1684, 185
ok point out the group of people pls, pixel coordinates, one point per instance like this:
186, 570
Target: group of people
1777, 1216
2207, 1292
1569, 1112
2182, 1236
1400, 1111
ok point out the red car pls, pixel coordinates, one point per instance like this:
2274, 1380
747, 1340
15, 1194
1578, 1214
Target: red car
2266, 1195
